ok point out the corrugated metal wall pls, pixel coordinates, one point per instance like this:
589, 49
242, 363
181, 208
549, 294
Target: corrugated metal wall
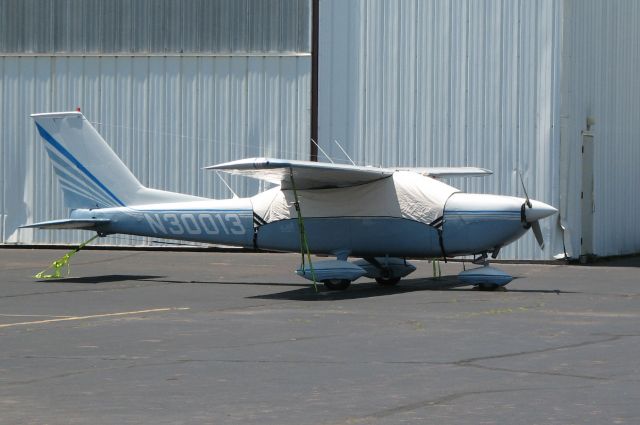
455, 83
165, 117
412, 82
602, 61
240, 87
154, 26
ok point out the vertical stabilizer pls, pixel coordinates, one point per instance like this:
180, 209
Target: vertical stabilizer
90, 173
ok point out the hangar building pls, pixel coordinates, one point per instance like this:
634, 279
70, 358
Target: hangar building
548, 89
173, 86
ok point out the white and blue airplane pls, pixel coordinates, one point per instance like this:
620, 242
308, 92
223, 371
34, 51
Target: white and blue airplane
380, 215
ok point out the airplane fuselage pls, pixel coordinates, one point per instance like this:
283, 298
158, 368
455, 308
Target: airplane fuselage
471, 224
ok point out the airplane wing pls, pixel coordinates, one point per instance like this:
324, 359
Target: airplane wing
322, 175
86, 224
306, 174
446, 172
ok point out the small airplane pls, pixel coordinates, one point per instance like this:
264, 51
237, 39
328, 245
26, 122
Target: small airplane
379, 215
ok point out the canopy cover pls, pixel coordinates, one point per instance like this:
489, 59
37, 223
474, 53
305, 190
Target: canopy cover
405, 194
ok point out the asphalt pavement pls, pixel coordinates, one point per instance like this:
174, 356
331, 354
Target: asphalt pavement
143, 337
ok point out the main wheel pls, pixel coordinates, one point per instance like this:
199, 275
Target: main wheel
336, 284
488, 287
387, 281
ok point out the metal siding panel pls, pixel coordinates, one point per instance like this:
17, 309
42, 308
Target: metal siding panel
173, 126
165, 117
238, 123
25, 69
603, 84
14, 152
271, 104
447, 83
154, 26
203, 116
424, 86
221, 122
340, 54
3, 159
301, 87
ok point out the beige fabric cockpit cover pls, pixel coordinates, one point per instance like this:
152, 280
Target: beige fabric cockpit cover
404, 195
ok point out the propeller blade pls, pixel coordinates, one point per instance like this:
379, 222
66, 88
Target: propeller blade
537, 232
524, 189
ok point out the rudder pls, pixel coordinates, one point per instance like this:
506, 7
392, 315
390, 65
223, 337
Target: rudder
90, 173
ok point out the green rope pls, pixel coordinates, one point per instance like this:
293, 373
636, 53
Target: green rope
304, 245
58, 264
436, 264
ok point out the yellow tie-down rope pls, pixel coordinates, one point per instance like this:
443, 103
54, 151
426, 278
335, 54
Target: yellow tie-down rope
58, 264
304, 245
436, 267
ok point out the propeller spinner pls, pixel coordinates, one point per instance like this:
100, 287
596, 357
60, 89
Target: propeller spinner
533, 211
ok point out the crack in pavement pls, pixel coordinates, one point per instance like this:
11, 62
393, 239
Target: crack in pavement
58, 376
471, 362
462, 363
465, 362
439, 401
67, 291
534, 372
430, 403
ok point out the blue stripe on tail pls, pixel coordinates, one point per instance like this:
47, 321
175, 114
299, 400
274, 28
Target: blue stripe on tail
53, 142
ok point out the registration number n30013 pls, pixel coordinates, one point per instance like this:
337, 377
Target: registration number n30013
195, 223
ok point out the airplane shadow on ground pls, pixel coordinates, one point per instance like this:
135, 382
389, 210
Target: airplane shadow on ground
211, 282
306, 292
109, 278
372, 289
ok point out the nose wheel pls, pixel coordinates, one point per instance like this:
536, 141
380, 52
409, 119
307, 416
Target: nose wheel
387, 281
336, 284
489, 287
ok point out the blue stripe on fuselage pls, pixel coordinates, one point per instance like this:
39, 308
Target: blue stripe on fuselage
503, 212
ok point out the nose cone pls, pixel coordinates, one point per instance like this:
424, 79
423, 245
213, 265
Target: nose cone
538, 210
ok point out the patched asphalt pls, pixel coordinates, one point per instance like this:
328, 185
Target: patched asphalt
142, 337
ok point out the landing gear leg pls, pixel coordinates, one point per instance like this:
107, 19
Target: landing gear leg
481, 260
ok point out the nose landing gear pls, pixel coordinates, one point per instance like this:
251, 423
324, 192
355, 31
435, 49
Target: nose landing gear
485, 278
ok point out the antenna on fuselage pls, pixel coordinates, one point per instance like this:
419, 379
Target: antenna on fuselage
322, 150
344, 152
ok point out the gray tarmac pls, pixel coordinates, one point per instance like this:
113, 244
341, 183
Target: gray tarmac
142, 337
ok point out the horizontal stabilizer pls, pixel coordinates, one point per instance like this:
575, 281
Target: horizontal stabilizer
87, 224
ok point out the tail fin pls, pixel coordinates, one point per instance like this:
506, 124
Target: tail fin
90, 173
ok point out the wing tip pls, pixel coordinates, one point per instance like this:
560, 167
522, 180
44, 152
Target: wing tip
56, 114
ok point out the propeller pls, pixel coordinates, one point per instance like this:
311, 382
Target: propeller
537, 232
534, 224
